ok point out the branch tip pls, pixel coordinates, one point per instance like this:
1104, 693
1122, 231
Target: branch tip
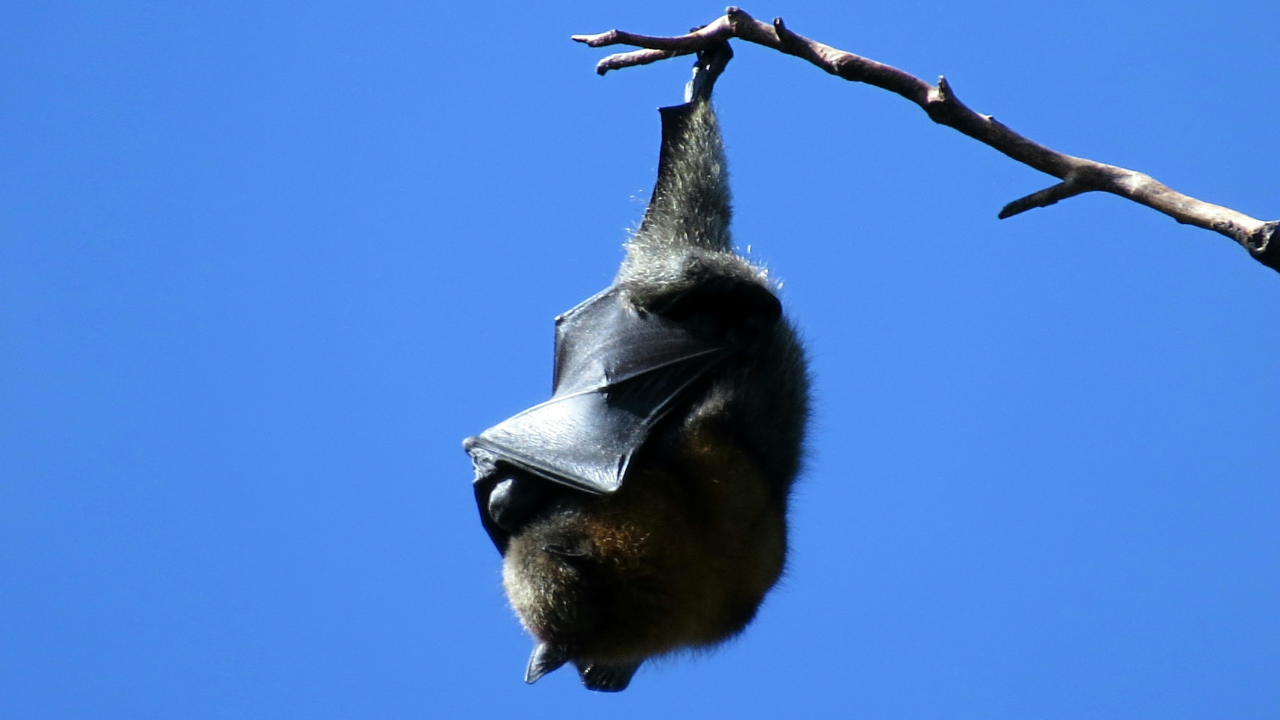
1264, 245
1044, 198
597, 40
1261, 239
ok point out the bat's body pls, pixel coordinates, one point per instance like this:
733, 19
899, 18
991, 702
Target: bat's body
643, 508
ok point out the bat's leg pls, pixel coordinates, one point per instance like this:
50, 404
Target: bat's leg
711, 62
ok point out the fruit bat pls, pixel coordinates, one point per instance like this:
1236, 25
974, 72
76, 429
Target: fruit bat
642, 509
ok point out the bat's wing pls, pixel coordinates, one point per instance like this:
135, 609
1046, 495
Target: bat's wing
618, 372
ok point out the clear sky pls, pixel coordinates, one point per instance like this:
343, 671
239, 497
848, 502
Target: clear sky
263, 265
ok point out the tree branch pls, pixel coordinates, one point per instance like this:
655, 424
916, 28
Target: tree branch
1078, 175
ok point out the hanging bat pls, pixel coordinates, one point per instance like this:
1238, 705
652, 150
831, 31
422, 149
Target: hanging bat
642, 509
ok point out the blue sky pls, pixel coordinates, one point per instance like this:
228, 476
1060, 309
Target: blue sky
264, 265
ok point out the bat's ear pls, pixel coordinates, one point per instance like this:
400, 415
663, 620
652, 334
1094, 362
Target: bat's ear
544, 659
607, 678
732, 300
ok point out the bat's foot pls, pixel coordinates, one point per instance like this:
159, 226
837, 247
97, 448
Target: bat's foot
711, 62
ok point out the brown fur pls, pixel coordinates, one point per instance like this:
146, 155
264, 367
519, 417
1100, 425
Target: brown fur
680, 557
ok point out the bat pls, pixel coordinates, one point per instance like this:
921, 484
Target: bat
641, 510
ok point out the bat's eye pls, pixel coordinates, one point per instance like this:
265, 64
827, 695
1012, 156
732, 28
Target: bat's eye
514, 501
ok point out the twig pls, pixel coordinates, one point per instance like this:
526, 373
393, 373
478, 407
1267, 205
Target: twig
1078, 175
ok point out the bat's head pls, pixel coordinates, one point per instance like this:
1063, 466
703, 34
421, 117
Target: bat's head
679, 556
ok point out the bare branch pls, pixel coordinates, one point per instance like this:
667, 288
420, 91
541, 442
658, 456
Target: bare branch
1078, 175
